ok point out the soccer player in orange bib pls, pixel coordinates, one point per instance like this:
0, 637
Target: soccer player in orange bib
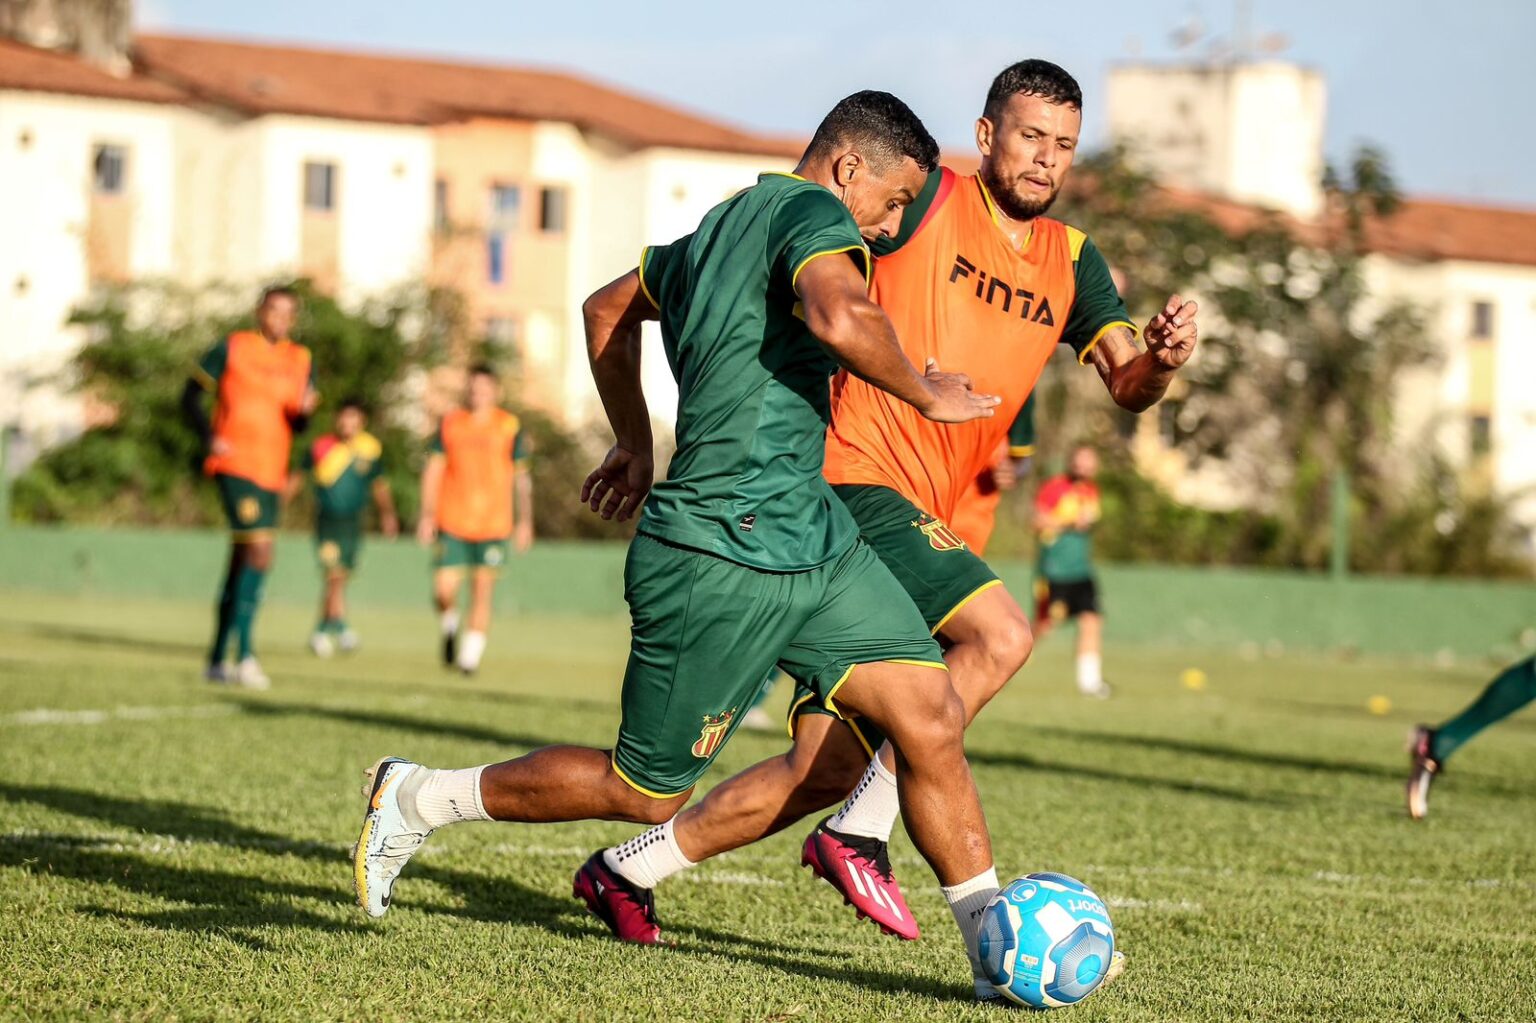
263, 389
977, 281
478, 465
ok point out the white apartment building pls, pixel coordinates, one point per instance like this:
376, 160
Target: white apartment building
1253, 132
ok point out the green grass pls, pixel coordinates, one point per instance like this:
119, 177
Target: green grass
182, 853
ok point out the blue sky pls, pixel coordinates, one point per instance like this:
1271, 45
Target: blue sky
1445, 89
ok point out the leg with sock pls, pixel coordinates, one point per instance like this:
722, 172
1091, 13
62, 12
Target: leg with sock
966, 901
218, 653
1512, 690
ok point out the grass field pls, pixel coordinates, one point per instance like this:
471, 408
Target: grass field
173, 851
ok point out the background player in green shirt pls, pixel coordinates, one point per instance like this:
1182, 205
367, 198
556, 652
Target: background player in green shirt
745, 558
346, 467
1066, 513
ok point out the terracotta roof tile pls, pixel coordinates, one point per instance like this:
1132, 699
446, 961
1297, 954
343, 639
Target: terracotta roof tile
376, 87
34, 70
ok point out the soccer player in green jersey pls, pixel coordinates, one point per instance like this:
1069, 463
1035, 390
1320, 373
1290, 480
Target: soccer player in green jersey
347, 468
745, 559
1428, 748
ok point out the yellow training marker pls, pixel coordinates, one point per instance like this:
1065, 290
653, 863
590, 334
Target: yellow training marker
1379, 704
1193, 678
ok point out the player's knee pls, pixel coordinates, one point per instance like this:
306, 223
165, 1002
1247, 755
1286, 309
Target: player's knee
1009, 645
933, 725
643, 809
259, 556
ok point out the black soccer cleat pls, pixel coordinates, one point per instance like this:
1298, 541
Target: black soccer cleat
1423, 768
450, 649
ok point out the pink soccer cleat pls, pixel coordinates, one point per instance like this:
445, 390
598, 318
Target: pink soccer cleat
860, 869
629, 912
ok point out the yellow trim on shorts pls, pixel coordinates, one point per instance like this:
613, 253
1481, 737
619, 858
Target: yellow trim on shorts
613, 762
251, 535
831, 693
827, 700
644, 253
852, 723
964, 601
1082, 358
794, 278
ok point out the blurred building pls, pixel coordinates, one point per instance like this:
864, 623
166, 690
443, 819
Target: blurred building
1235, 137
204, 160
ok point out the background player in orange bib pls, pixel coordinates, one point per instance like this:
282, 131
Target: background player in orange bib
263, 390
979, 282
476, 492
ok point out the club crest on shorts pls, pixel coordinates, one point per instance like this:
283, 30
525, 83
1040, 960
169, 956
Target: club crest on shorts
940, 536
248, 510
330, 554
712, 734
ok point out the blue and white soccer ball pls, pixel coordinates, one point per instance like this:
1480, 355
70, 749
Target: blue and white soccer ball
1046, 941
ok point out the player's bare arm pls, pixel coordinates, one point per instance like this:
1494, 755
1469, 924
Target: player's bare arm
431, 487
860, 336
613, 315
1138, 379
384, 498
522, 504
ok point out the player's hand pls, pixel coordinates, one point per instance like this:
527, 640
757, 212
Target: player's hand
426, 531
1003, 475
309, 402
219, 447
522, 538
617, 488
390, 526
953, 399
1171, 334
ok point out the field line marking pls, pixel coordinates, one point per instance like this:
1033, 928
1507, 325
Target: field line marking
57, 716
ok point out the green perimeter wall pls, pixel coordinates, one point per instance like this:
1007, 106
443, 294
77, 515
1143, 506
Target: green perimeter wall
1145, 604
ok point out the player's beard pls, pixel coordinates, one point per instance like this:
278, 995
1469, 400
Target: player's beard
1009, 202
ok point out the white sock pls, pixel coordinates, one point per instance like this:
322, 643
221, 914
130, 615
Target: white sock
444, 797
471, 649
649, 858
1090, 673
966, 900
874, 806
448, 622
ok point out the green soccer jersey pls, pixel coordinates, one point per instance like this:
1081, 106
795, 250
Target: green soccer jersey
343, 473
753, 382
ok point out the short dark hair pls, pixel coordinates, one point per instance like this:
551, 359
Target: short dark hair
278, 291
483, 369
883, 128
354, 402
1031, 78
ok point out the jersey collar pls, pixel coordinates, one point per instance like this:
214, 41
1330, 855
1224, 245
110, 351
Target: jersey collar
997, 216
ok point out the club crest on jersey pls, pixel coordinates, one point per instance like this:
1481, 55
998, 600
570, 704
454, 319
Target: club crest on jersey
940, 536
997, 292
713, 734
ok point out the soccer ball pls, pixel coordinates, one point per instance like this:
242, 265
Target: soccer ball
1045, 941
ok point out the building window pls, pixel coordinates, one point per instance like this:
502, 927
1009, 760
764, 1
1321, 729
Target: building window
109, 168
506, 205
1482, 436
319, 185
552, 209
1482, 320
440, 206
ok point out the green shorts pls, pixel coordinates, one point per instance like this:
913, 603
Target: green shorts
250, 510
937, 569
336, 544
707, 632
452, 552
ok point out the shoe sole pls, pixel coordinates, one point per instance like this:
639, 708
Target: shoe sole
371, 784
813, 863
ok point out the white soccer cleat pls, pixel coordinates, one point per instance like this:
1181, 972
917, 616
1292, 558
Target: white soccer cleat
320, 644
248, 673
347, 642
387, 841
1100, 692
